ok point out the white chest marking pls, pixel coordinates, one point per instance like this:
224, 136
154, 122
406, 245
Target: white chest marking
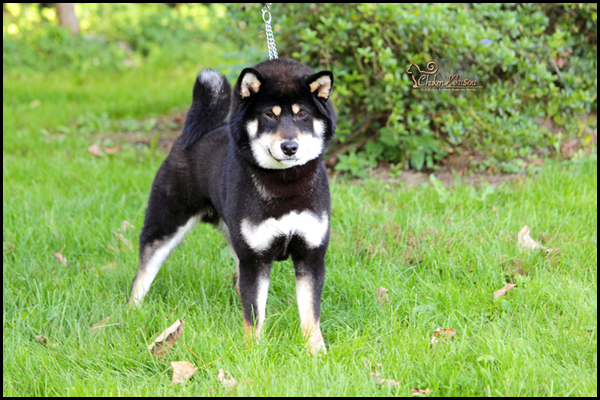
305, 224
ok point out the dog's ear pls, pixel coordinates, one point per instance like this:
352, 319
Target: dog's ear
249, 82
321, 83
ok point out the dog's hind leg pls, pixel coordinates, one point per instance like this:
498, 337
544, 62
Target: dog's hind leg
152, 257
166, 224
222, 227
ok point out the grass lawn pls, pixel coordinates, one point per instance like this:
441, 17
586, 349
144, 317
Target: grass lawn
441, 253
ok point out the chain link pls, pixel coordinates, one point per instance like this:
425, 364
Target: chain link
266, 14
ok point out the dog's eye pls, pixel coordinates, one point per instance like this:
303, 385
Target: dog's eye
302, 114
270, 115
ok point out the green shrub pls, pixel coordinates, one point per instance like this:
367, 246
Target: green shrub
534, 61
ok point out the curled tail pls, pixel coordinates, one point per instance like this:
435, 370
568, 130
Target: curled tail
210, 106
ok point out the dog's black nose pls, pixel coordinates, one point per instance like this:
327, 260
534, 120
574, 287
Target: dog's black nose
289, 148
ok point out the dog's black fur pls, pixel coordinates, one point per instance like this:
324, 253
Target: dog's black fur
212, 173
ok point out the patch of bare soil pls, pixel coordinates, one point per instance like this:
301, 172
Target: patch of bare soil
446, 176
169, 128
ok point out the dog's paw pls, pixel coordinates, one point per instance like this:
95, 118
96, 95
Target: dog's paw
316, 344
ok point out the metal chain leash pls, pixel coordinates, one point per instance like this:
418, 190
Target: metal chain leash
266, 14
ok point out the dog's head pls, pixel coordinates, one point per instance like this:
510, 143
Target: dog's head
282, 115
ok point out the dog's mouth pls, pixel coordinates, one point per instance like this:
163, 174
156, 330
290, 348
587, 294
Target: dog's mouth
289, 160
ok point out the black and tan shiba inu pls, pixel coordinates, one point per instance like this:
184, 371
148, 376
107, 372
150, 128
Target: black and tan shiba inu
259, 177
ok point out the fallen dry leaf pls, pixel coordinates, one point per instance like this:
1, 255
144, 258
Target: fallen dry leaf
111, 248
502, 292
440, 334
43, 340
376, 376
226, 379
122, 239
182, 371
381, 295
126, 225
390, 383
100, 324
368, 364
525, 241
60, 258
167, 339
108, 266
95, 150
418, 392
111, 150
35, 103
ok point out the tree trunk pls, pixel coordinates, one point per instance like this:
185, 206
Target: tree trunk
67, 17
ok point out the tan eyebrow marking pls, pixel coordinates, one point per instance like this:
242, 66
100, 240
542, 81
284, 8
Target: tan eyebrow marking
277, 110
296, 108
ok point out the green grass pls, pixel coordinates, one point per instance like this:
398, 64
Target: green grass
541, 339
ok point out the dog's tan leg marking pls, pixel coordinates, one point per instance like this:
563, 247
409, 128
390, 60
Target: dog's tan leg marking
310, 325
152, 258
253, 330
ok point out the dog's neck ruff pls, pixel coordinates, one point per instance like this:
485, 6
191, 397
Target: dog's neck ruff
282, 184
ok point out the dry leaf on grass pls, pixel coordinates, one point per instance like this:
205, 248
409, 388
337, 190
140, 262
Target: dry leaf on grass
44, 340
381, 295
100, 324
126, 225
163, 343
122, 239
525, 241
375, 375
60, 258
418, 392
108, 266
226, 379
368, 364
111, 150
390, 383
503, 291
182, 371
441, 334
95, 150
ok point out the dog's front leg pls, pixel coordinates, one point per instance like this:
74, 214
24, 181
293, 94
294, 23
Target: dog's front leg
253, 287
310, 276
